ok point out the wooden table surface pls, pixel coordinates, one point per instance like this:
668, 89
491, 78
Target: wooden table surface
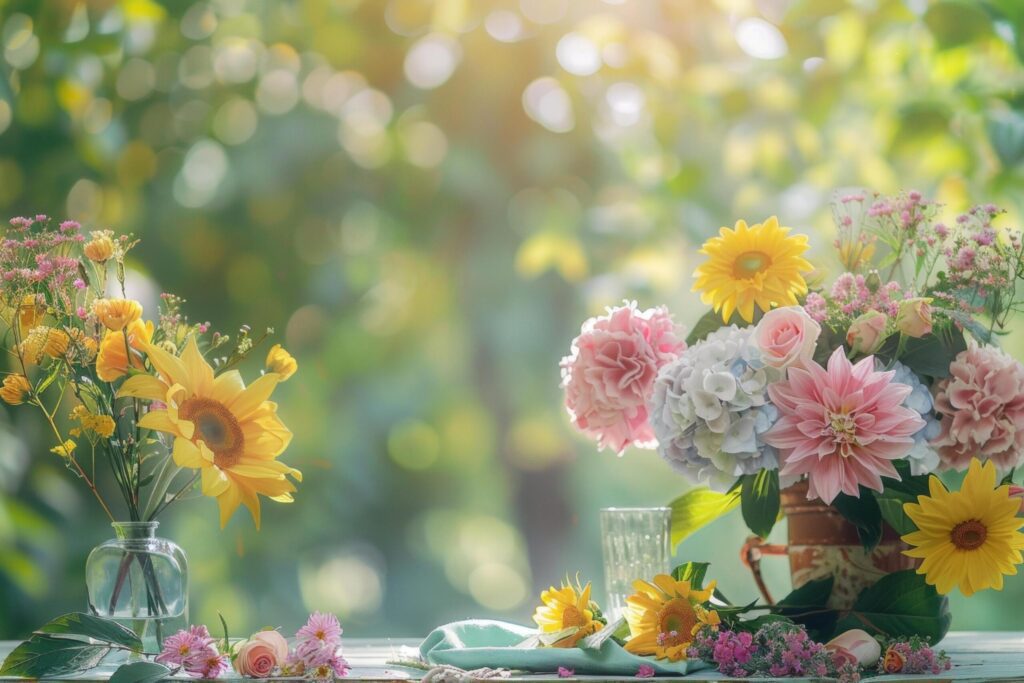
977, 656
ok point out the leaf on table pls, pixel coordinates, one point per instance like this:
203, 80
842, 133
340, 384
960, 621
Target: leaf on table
808, 605
697, 508
760, 501
45, 656
140, 672
79, 624
900, 604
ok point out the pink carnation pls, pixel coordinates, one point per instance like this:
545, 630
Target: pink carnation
981, 405
609, 375
841, 427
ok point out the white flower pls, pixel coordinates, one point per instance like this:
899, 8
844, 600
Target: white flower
709, 409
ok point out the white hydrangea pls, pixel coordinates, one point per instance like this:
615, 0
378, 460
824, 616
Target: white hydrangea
710, 409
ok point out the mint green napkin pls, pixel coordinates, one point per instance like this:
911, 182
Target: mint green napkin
480, 643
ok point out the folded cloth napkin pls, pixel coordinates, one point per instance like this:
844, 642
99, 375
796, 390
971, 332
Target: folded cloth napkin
481, 643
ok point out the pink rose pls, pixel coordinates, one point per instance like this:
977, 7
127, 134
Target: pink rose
609, 375
855, 647
867, 333
915, 317
261, 654
786, 336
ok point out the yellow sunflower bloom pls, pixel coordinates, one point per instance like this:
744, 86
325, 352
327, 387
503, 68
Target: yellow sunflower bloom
664, 615
564, 608
228, 431
968, 538
752, 265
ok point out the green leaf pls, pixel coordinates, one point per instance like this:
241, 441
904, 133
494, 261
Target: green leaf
912, 484
89, 626
752, 625
708, 323
808, 605
693, 572
760, 501
932, 355
43, 656
140, 672
1006, 133
863, 513
891, 504
900, 604
698, 507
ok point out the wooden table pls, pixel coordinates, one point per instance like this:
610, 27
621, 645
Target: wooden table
977, 656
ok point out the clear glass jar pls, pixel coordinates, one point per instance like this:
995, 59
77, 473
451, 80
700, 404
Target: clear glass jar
141, 581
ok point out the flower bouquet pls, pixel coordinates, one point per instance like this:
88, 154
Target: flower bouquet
837, 405
151, 408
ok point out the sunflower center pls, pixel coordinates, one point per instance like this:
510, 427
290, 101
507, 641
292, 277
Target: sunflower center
969, 535
675, 623
750, 263
571, 616
216, 427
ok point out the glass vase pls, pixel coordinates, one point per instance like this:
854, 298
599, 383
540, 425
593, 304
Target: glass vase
635, 545
141, 581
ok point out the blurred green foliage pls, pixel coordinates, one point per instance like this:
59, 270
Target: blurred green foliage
425, 198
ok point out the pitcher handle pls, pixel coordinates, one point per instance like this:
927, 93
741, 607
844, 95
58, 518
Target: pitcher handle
751, 553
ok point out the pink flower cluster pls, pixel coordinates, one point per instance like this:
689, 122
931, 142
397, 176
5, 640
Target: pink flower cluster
981, 405
913, 656
317, 650
30, 253
856, 294
195, 651
609, 375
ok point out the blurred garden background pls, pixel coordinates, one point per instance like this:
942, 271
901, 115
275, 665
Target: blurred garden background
425, 198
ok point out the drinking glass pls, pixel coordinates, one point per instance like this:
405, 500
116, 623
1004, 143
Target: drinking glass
635, 543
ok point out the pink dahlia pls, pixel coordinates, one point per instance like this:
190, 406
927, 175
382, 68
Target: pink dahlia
609, 375
981, 405
842, 426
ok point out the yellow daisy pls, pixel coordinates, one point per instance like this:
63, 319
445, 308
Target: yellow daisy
664, 615
229, 432
969, 537
752, 265
565, 608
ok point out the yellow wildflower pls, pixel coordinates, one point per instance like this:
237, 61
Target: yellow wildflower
65, 449
101, 247
117, 314
15, 389
567, 608
112, 359
281, 362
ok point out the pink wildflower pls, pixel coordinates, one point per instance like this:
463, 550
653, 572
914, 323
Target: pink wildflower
645, 671
565, 672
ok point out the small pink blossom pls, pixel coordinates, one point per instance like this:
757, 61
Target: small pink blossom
320, 627
565, 672
843, 426
981, 405
645, 671
609, 375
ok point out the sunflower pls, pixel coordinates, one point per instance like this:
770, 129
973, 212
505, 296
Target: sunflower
564, 608
664, 615
969, 537
758, 264
229, 432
